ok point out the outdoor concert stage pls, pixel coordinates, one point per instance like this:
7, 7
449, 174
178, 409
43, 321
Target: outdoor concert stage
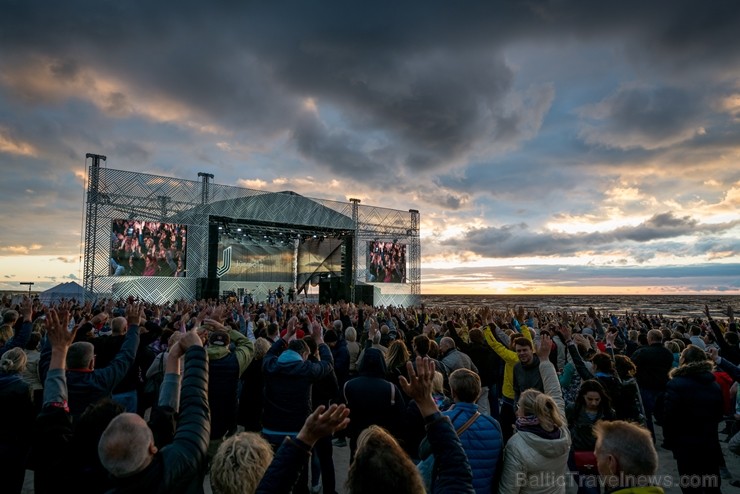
165, 239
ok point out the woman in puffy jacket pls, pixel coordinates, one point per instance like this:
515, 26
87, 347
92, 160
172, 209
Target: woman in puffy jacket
536, 457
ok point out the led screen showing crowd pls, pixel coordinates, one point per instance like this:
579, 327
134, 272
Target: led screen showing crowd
386, 262
147, 248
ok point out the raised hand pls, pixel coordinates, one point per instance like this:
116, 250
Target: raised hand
543, 351
134, 313
324, 422
418, 386
611, 336
316, 332
56, 329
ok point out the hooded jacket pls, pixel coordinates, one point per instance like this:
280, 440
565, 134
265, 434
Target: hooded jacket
541, 463
372, 399
692, 410
288, 383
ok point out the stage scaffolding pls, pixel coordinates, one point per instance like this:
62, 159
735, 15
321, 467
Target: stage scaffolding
198, 205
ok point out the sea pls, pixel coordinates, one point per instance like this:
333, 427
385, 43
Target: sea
670, 306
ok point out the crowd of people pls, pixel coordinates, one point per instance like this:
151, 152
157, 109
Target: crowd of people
130, 396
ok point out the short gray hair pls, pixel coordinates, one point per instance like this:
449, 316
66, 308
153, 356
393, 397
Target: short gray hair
80, 354
124, 446
631, 444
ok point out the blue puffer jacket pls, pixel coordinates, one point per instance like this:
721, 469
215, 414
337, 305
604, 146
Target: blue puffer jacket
482, 442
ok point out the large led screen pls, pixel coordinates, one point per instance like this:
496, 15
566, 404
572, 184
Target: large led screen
147, 248
386, 262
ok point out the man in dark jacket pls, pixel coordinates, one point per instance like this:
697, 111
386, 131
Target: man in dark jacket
488, 363
127, 448
289, 379
653, 363
107, 348
229, 355
373, 399
527, 370
85, 383
65, 454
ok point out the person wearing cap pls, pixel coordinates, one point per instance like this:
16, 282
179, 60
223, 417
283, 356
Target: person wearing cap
229, 355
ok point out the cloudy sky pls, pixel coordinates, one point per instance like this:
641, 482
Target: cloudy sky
551, 146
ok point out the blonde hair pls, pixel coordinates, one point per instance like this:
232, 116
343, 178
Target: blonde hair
672, 346
438, 382
261, 346
240, 463
533, 402
14, 360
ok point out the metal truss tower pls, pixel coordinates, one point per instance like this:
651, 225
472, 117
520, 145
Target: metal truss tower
355, 248
414, 255
91, 220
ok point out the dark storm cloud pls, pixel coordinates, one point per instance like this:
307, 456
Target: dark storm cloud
519, 241
431, 78
645, 117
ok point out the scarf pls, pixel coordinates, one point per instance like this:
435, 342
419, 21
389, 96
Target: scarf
530, 423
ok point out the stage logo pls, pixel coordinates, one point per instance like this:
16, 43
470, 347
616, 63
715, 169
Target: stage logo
222, 270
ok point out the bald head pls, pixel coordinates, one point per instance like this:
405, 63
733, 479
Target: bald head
126, 446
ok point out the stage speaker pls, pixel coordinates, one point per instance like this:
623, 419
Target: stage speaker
365, 293
207, 288
325, 295
331, 290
